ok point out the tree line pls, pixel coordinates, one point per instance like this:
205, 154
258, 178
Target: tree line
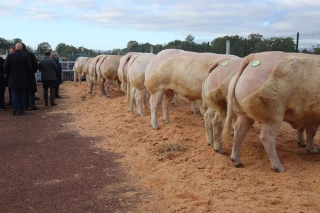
239, 46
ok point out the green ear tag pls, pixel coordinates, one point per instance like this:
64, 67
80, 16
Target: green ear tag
224, 64
255, 63
140, 59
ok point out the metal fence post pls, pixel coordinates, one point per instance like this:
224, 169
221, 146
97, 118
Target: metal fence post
297, 45
228, 47
151, 49
245, 48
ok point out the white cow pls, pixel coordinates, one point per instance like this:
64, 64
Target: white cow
78, 69
93, 72
136, 91
272, 87
85, 70
214, 96
107, 71
123, 69
176, 71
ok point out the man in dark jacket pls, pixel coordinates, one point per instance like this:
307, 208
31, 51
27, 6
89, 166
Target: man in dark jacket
55, 56
48, 69
32, 83
2, 85
17, 68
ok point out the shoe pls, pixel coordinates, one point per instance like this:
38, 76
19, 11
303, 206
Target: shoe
33, 108
58, 96
36, 98
46, 104
15, 113
53, 104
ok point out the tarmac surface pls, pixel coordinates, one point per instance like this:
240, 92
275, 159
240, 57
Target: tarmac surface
45, 167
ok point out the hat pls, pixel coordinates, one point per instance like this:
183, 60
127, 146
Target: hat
54, 53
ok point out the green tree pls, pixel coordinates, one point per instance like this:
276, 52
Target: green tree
133, 46
42, 47
252, 41
316, 50
276, 44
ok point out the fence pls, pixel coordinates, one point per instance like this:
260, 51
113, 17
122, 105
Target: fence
67, 70
306, 43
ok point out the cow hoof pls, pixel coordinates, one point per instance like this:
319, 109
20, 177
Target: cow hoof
312, 151
302, 145
238, 164
278, 170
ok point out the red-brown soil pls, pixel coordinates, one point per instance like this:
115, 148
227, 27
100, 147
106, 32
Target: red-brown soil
193, 178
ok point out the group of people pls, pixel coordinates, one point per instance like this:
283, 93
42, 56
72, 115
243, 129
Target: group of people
17, 72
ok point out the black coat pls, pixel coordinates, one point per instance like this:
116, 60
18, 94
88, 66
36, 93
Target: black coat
17, 68
32, 82
2, 78
59, 71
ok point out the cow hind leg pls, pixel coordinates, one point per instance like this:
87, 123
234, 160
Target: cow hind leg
145, 100
300, 137
311, 131
167, 98
79, 78
102, 89
217, 123
193, 107
107, 86
155, 99
268, 136
140, 96
208, 116
131, 99
174, 100
241, 128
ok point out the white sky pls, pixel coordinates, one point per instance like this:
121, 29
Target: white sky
110, 24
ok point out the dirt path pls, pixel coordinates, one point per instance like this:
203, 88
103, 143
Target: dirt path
45, 166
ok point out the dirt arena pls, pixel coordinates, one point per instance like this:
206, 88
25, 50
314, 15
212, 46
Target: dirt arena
194, 178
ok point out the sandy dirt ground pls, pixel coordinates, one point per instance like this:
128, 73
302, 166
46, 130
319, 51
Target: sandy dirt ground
179, 172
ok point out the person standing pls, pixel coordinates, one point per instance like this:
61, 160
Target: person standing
32, 83
48, 69
55, 56
2, 85
12, 49
17, 68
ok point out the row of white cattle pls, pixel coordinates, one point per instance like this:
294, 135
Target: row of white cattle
268, 87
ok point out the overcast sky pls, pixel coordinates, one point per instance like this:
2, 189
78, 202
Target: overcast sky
110, 24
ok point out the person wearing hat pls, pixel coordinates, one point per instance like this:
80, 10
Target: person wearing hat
55, 56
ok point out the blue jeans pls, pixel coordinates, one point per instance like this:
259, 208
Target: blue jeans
18, 99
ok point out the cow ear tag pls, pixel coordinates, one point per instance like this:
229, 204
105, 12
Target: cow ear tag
224, 64
140, 59
256, 63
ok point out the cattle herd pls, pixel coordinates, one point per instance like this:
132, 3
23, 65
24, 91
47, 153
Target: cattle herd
267, 87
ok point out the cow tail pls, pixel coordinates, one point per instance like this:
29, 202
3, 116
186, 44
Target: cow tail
227, 128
